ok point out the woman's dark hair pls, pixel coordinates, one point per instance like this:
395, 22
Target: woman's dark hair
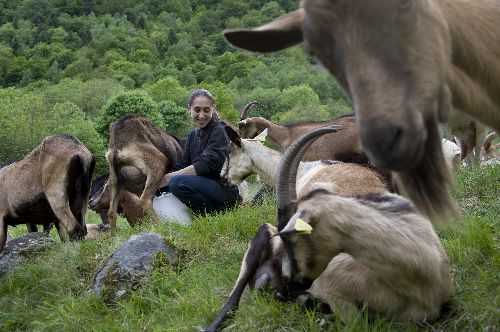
200, 92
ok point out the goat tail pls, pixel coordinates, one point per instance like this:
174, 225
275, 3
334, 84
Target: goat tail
427, 185
75, 190
115, 164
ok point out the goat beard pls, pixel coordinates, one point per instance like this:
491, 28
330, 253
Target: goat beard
427, 185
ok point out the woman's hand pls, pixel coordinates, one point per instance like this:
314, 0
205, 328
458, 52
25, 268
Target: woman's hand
165, 180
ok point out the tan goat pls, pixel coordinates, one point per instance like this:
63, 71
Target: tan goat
139, 154
50, 185
402, 63
372, 248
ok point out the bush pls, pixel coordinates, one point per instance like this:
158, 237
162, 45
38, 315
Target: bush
128, 102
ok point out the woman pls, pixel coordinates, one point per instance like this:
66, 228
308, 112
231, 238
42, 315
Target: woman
195, 180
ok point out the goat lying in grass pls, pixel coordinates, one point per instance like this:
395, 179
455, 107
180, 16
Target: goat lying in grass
250, 156
50, 185
347, 251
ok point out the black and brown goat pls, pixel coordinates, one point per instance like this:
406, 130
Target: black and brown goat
139, 154
404, 65
50, 185
100, 199
371, 249
343, 145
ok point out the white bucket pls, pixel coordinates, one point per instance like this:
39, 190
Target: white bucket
168, 206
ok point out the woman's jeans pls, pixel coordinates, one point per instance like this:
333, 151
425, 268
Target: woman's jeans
203, 195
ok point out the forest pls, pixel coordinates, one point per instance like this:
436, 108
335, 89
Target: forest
75, 66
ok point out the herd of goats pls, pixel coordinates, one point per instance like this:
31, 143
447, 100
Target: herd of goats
344, 235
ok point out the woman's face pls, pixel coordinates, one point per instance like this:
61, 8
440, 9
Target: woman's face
201, 111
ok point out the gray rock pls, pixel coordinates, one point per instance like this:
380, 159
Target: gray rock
131, 264
20, 248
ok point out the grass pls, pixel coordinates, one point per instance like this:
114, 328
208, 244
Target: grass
51, 291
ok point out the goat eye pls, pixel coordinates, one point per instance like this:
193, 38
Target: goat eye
405, 5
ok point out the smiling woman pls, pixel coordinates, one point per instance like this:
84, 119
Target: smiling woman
196, 179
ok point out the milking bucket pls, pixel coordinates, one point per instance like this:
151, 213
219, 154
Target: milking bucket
167, 206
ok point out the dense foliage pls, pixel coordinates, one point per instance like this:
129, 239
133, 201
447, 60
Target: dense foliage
92, 57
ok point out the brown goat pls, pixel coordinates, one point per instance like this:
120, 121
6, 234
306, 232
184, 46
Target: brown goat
50, 185
100, 198
343, 145
139, 154
401, 62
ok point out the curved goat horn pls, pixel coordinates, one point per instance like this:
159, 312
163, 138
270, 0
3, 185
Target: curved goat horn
248, 107
490, 137
287, 172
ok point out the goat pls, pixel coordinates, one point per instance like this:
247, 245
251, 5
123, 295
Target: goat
50, 185
469, 136
352, 249
452, 153
342, 146
249, 156
375, 248
139, 154
404, 65
490, 151
100, 199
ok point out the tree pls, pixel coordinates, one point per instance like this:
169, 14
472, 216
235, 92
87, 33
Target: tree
223, 100
300, 103
128, 102
68, 118
175, 118
168, 88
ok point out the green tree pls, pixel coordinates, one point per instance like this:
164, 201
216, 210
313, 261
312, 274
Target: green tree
168, 88
128, 102
223, 100
300, 103
175, 118
68, 118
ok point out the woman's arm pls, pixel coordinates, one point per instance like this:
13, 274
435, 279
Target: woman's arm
165, 180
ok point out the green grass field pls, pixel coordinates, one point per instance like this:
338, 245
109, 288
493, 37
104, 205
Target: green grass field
50, 293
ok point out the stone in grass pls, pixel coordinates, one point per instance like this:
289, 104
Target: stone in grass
22, 247
131, 264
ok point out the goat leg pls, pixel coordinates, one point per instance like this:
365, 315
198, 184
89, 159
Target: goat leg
259, 250
115, 193
63, 213
3, 232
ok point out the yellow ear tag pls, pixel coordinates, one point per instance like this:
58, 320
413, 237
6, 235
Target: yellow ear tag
301, 227
262, 136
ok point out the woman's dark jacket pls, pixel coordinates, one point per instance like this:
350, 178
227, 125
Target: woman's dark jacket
206, 149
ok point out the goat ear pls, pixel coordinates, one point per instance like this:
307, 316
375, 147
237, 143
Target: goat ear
233, 136
279, 34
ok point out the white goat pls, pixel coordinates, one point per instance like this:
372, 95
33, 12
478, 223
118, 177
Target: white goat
250, 156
